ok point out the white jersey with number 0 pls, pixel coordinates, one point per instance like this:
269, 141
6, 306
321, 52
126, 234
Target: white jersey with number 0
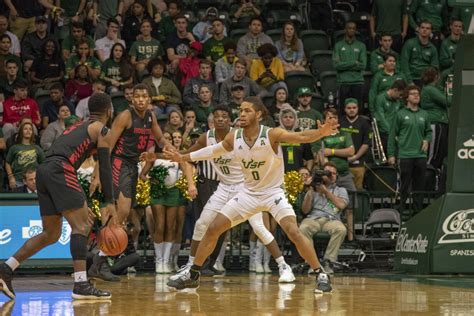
227, 167
262, 168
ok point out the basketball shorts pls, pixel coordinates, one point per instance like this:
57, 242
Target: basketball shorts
58, 188
245, 204
124, 178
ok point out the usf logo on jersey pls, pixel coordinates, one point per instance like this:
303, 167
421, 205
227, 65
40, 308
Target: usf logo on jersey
252, 164
222, 161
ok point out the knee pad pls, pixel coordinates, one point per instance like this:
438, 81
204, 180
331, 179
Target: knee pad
260, 230
78, 247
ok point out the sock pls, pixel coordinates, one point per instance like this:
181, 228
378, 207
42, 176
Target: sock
221, 256
253, 245
266, 256
167, 251
12, 263
102, 254
259, 253
80, 276
280, 260
176, 248
194, 271
135, 244
191, 260
158, 252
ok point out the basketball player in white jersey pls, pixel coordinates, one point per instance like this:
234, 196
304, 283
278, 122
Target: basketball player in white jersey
258, 150
231, 181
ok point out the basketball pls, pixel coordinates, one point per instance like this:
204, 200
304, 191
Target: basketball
112, 240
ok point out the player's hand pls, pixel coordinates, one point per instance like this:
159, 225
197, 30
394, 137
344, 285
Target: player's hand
109, 212
173, 155
392, 161
95, 185
192, 190
143, 177
148, 157
424, 146
328, 128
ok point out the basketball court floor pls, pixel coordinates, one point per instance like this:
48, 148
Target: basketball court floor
250, 294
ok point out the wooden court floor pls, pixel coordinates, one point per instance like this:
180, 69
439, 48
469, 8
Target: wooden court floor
249, 294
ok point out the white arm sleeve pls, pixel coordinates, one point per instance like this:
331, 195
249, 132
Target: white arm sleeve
208, 152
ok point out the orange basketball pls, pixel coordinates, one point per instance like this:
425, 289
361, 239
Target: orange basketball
112, 240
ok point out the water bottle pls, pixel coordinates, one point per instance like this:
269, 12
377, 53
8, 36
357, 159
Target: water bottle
449, 85
330, 100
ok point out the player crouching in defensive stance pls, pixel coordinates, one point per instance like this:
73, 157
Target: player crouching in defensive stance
60, 194
258, 150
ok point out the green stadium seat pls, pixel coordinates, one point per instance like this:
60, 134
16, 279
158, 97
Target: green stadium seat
274, 34
320, 61
328, 83
297, 79
314, 40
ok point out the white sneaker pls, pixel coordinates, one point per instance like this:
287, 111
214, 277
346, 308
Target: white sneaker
131, 270
266, 268
286, 274
166, 267
159, 267
181, 271
219, 266
252, 265
259, 267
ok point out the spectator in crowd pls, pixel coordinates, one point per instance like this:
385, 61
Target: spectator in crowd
214, 47
408, 142
175, 121
249, 43
6, 82
72, 11
389, 17
5, 46
204, 30
163, 92
132, 25
29, 182
246, 9
177, 43
360, 129
56, 128
17, 107
384, 79
121, 104
15, 48
10, 141
191, 90
79, 87
83, 57
337, 148
323, 204
144, 49
290, 49
33, 43
350, 60
50, 109
295, 156
250, 87
82, 108
435, 11
436, 103
103, 10
167, 23
225, 65
48, 68
463, 14
237, 97
116, 70
204, 106
280, 100
104, 45
307, 116
189, 66
23, 155
71, 44
377, 55
386, 107
419, 53
190, 127
268, 70
449, 45
22, 15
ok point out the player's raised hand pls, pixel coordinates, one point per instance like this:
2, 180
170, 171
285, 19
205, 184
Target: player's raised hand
147, 157
328, 128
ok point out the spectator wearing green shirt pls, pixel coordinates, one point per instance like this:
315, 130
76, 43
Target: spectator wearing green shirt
5, 55
213, 48
436, 103
386, 107
465, 15
447, 51
377, 55
72, 12
390, 17
145, 49
338, 148
167, 25
350, 60
419, 53
204, 107
23, 155
116, 70
104, 10
83, 57
435, 11
307, 116
383, 80
70, 44
411, 134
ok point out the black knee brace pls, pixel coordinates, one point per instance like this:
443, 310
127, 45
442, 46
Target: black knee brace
78, 247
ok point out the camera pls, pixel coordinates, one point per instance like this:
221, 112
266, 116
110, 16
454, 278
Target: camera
318, 177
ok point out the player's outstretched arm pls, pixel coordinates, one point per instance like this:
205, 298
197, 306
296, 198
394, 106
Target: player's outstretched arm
205, 153
308, 136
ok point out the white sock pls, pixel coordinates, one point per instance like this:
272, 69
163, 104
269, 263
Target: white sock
158, 252
221, 256
280, 260
102, 254
176, 248
259, 253
191, 260
253, 246
167, 251
12, 263
135, 244
80, 276
266, 256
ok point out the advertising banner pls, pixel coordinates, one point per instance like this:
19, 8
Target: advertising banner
19, 223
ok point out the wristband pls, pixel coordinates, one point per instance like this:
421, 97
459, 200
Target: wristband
332, 152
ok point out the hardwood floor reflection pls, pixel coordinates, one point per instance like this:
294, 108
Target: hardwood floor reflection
247, 295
